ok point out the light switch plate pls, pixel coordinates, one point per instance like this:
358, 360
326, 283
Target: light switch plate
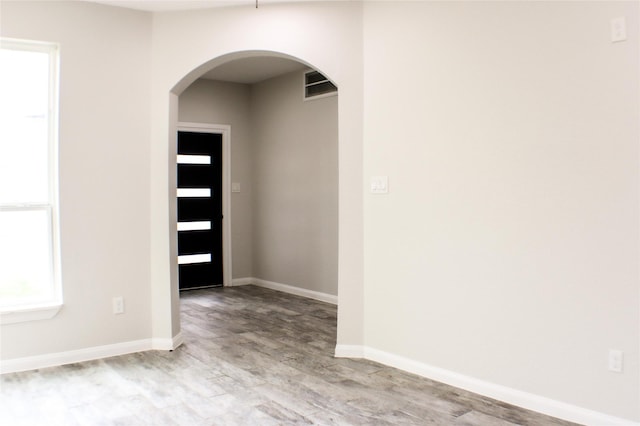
379, 184
616, 359
118, 305
618, 29
235, 187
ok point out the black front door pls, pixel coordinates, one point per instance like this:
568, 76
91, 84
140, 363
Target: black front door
199, 210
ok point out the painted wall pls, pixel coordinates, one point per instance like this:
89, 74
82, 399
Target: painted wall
284, 153
215, 102
104, 174
214, 37
507, 247
295, 181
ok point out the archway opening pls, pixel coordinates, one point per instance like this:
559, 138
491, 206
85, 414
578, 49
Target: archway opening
282, 169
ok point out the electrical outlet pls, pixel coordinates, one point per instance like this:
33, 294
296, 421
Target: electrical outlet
616, 359
118, 305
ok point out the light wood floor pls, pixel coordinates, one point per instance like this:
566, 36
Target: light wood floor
251, 356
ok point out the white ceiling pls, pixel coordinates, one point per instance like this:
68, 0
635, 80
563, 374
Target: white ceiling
253, 70
169, 5
247, 70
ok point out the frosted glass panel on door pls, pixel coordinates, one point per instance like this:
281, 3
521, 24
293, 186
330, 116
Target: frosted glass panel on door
194, 226
194, 192
194, 159
188, 259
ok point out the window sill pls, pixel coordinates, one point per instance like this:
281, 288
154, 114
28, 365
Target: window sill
29, 313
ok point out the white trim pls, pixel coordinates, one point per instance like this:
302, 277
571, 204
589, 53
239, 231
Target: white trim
178, 340
516, 397
311, 294
241, 281
12, 315
162, 344
349, 351
40, 311
89, 354
225, 130
70, 357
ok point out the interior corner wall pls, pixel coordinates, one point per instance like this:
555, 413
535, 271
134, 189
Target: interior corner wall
216, 102
103, 174
295, 185
507, 247
285, 156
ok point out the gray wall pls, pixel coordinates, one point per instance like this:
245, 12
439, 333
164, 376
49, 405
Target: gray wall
295, 175
284, 154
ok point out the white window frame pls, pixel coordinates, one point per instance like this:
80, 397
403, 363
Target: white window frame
49, 308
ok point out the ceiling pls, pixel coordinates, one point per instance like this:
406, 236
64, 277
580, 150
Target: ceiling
247, 70
172, 5
253, 70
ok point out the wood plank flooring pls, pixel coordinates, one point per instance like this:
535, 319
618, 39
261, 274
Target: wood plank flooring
251, 356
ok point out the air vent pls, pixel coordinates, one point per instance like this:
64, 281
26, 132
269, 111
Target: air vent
316, 85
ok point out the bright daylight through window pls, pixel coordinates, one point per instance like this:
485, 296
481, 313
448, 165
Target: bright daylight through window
29, 273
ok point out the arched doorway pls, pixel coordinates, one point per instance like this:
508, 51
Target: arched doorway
283, 161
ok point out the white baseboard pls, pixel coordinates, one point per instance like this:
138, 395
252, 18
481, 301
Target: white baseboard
167, 344
285, 288
88, 354
178, 340
516, 397
349, 351
70, 357
240, 281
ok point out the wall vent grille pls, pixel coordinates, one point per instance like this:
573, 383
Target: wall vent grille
316, 85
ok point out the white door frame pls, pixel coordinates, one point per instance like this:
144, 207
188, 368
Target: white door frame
225, 130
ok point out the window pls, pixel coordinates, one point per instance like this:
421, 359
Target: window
29, 272
316, 85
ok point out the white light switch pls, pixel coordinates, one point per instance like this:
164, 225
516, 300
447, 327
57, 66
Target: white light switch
235, 187
118, 305
616, 359
379, 184
618, 29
